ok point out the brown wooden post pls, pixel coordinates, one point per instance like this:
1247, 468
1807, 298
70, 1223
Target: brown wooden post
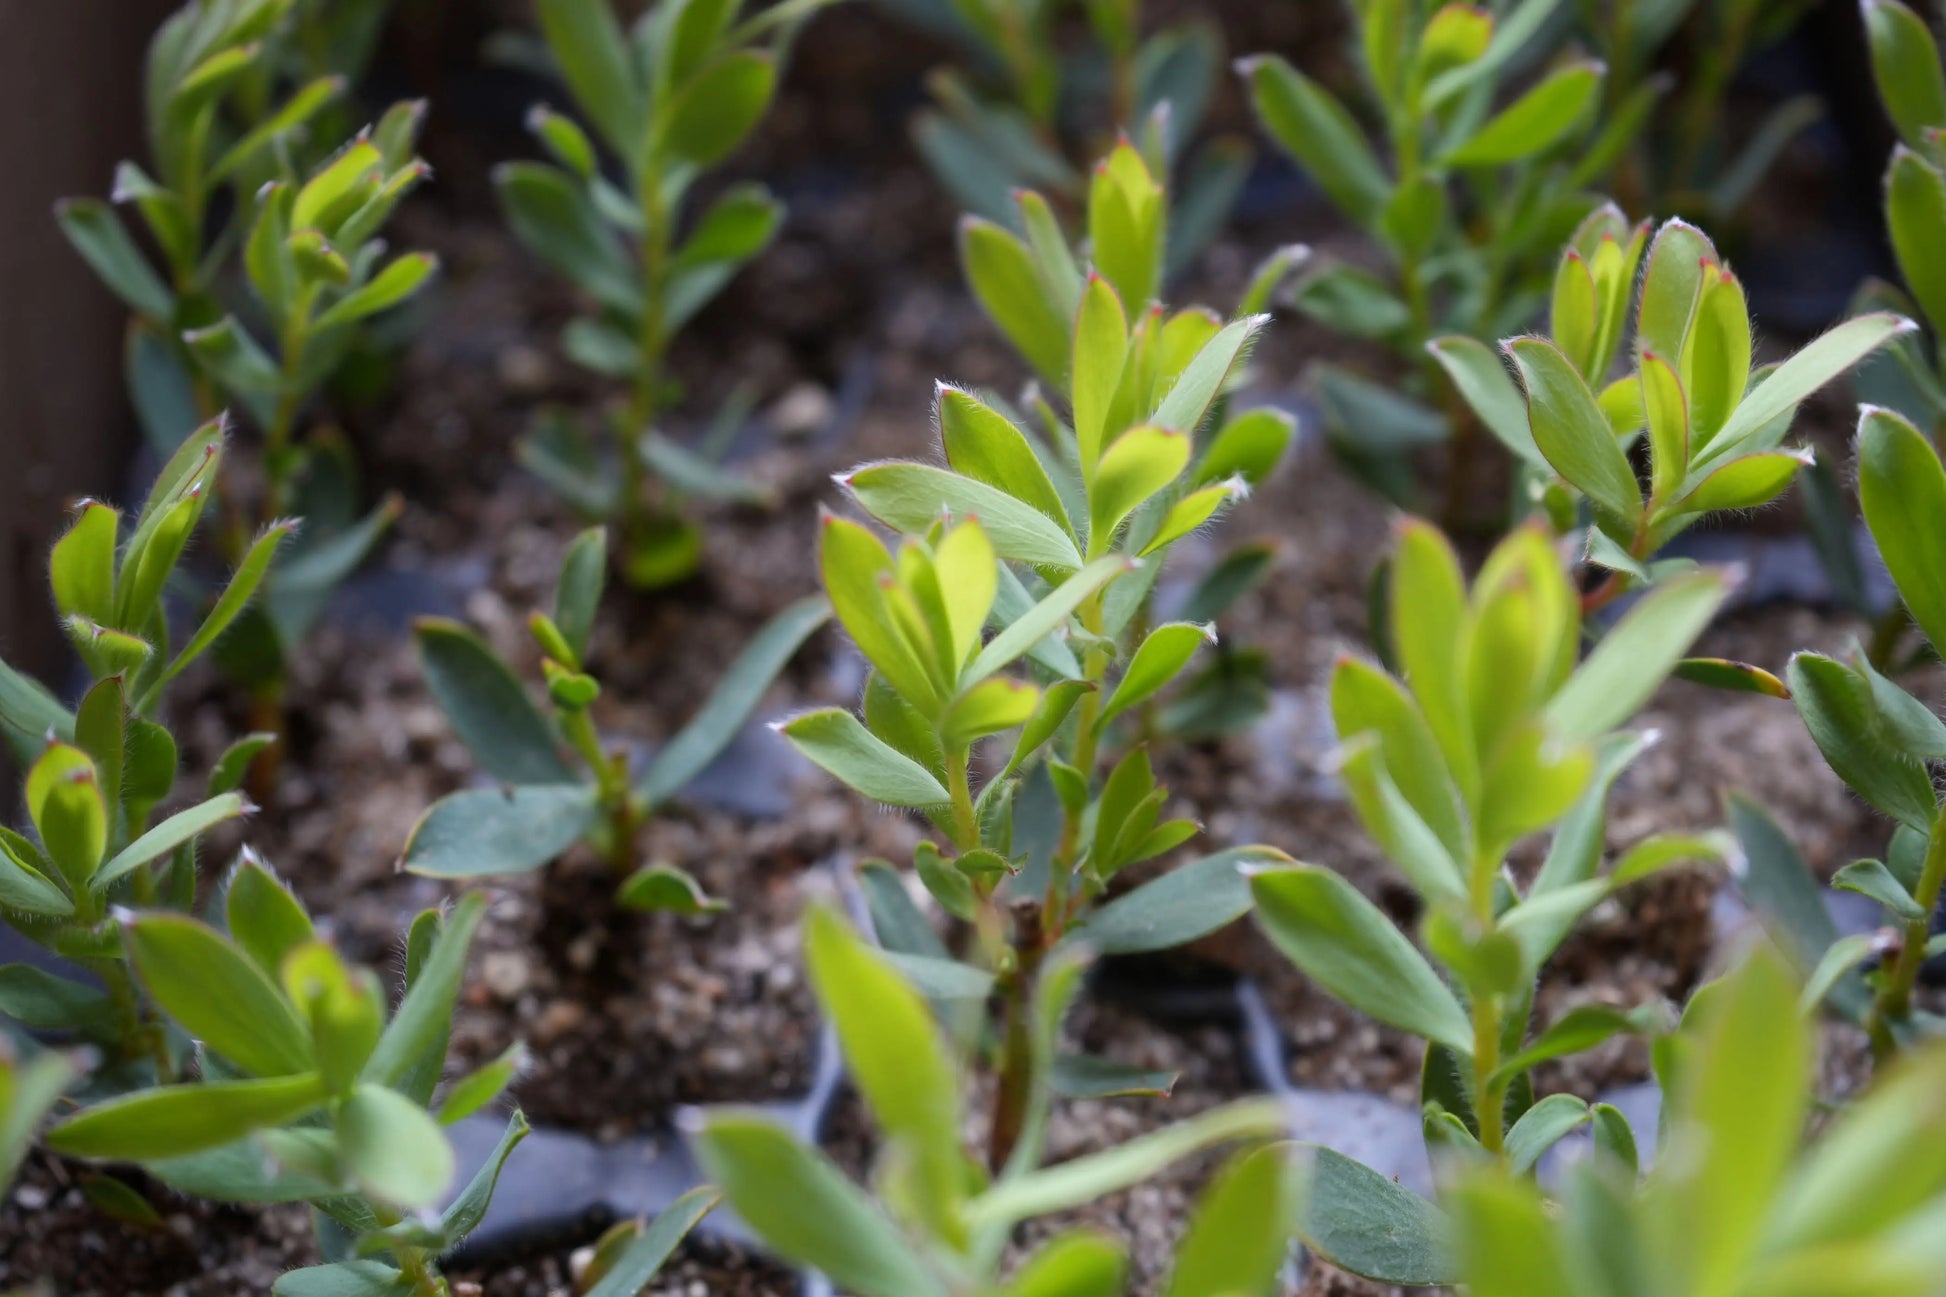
70, 107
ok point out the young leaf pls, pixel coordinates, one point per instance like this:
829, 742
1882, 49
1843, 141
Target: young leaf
1902, 490
1100, 352
1543, 1126
485, 831
1633, 659
487, 705
64, 799
1366, 1223
896, 1056
1915, 213
98, 235
418, 1031
263, 917
400, 279
911, 497
1805, 372
1905, 63
394, 1148
1000, 270
1044, 618
1140, 462
834, 740
983, 444
1084, 1179
1188, 902
1320, 133
631, 1272
1078, 1264
593, 54
174, 1120
1533, 122
729, 705
1491, 392
1237, 1233
218, 994
1161, 657
1570, 430
183, 826
720, 106
805, 1209
1347, 946
1203, 379
664, 887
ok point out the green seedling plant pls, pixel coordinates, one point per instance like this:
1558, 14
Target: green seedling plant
1713, 424
1017, 603
319, 270
97, 773
1910, 374
1738, 1204
1680, 161
934, 1222
547, 800
664, 103
1912, 86
1491, 728
305, 241
1468, 210
1031, 287
1883, 742
314, 259
1040, 114
310, 1090
202, 150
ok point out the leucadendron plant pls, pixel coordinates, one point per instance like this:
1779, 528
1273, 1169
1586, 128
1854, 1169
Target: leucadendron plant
1017, 603
1912, 86
1029, 115
546, 801
1031, 287
1883, 742
202, 152
1714, 423
230, 201
1493, 729
310, 1090
1739, 1203
1909, 375
1468, 206
666, 101
935, 1223
96, 773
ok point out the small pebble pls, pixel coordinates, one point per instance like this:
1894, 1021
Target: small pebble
805, 409
506, 973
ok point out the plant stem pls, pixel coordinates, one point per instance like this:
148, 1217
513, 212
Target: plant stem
652, 343
277, 442
1015, 1088
1489, 1099
1895, 995
611, 785
1060, 883
415, 1263
966, 826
